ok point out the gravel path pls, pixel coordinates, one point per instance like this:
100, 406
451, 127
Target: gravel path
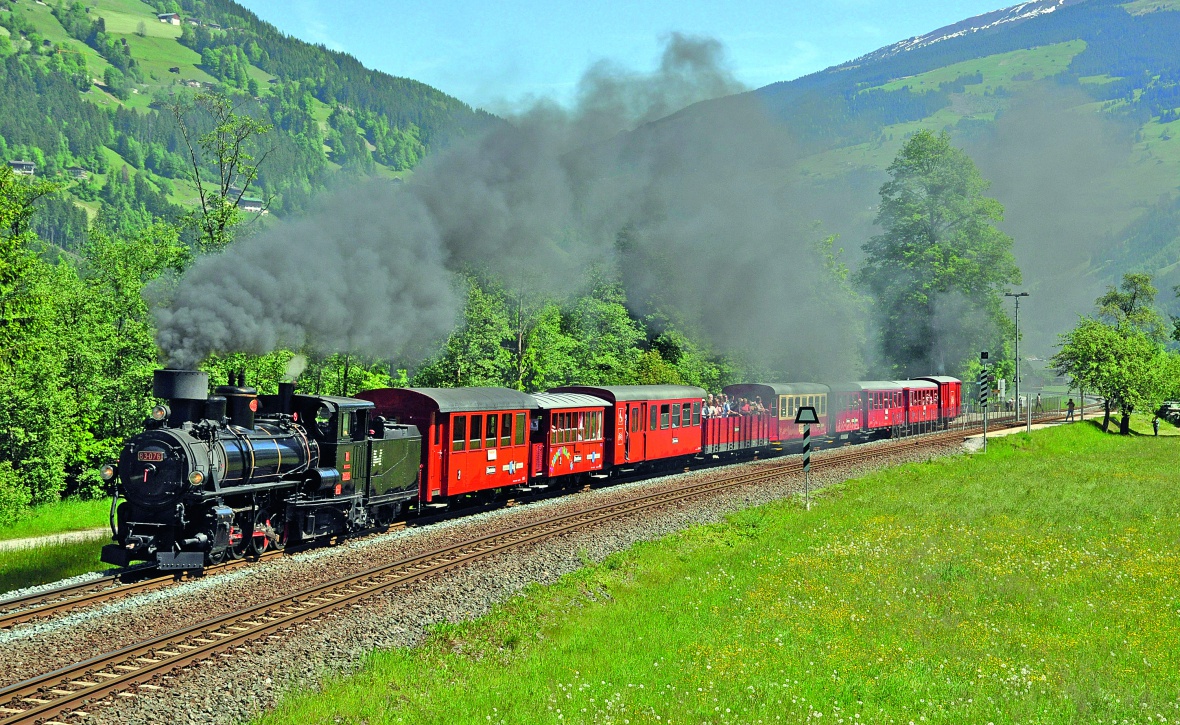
231, 690
67, 538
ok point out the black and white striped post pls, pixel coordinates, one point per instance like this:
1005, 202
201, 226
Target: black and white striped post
805, 417
985, 382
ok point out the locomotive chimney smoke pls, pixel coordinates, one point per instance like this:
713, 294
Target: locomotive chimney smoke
295, 367
685, 204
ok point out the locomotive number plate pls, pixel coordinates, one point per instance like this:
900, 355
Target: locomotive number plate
153, 456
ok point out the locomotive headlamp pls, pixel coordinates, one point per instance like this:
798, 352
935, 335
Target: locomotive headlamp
160, 412
107, 472
196, 478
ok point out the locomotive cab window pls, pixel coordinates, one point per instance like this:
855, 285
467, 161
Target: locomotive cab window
360, 425
345, 424
459, 427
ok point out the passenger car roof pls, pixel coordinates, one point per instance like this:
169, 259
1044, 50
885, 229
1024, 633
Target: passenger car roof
452, 400
618, 393
549, 401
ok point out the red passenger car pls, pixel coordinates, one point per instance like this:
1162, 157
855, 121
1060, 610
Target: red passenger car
733, 433
921, 402
950, 395
784, 400
570, 438
473, 439
648, 422
882, 404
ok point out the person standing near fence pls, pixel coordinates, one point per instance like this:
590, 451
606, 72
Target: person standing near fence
1040, 408
1069, 411
1155, 425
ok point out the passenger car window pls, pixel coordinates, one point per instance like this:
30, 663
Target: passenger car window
459, 428
505, 429
519, 428
664, 416
655, 418
490, 431
696, 413
675, 415
476, 432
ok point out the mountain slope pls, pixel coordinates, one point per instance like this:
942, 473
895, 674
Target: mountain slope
88, 86
1070, 107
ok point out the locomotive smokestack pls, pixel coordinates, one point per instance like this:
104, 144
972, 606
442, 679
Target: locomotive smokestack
185, 391
286, 391
242, 401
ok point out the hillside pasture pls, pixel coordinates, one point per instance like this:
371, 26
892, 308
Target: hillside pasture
1010, 70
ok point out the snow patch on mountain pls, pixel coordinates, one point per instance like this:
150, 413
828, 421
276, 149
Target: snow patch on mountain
1015, 14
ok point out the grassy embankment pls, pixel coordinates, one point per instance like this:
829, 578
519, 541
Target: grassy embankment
39, 565
1036, 584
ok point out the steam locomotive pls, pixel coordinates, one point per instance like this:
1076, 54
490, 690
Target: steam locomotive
236, 474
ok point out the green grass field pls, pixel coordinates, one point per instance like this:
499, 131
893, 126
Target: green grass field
997, 70
21, 568
1036, 584
60, 517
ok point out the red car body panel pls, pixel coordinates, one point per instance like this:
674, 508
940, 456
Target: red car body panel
571, 436
649, 422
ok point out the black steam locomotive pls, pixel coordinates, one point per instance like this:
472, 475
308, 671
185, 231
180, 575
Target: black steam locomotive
235, 473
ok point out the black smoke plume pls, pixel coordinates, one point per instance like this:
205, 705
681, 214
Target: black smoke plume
691, 208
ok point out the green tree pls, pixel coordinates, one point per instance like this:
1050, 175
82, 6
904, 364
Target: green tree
609, 339
1124, 365
938, 246
477, 353
221, 163
547, 353
1132, 304
32, 407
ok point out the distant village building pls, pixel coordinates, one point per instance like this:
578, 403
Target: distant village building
252, 205
28, 168
78, 172
170, 18
174, 69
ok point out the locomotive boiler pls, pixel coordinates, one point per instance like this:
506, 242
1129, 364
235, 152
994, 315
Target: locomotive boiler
234, 473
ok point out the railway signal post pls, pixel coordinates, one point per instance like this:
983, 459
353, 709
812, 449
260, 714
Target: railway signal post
984, 384
805, 417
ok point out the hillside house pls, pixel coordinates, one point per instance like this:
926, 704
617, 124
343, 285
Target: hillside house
78, 172
28, 168
170, 18
252, 205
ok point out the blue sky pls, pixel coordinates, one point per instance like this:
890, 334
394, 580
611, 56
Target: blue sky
502, 54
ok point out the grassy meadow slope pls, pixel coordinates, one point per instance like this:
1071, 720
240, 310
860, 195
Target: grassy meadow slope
1034, 584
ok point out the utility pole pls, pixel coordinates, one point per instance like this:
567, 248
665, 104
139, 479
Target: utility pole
1017, 296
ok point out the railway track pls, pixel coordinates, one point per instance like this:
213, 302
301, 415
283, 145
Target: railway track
61, 695
54, 602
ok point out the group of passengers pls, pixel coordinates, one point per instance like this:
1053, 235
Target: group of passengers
723, 406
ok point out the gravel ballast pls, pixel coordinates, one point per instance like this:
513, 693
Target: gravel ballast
228, 690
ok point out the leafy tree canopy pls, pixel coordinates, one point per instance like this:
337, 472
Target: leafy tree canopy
939, 255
